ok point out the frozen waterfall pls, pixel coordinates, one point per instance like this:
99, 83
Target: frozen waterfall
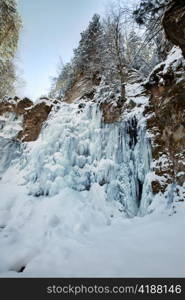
76, 149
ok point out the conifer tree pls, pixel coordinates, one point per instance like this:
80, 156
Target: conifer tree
150, 13
88, 54
9, 34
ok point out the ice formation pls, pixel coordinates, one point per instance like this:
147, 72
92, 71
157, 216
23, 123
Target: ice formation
76, 149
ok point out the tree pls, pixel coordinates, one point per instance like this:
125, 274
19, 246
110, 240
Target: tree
87, 57
86, 60
10, 24
150, 13
63, 82
7, 78
149, 10
109, 49
114, 48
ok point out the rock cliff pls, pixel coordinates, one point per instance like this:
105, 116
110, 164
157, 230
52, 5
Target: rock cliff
166, 122
32, 116
174, 24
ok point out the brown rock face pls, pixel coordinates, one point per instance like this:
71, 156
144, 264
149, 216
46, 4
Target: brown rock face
85, 88
82, 88
22, 105
174, 24
34, 115
16, 105
33, 121
166, 123
111, 113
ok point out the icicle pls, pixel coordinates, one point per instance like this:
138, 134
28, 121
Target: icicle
76, 149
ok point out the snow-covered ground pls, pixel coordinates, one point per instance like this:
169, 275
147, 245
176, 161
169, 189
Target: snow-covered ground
77, 235
77, 202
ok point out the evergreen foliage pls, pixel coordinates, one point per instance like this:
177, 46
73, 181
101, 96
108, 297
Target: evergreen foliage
112, 46
10, 24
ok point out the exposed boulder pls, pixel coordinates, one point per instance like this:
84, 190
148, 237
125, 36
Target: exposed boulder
111, 112
33, 121
22, 105
174, 24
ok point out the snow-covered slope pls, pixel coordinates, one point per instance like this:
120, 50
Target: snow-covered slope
73, 203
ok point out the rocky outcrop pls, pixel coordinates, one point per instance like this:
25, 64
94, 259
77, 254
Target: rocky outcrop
82, 88
33, 121
85, 89
33, 115
174, 23
15, 105
166, 121
111, 112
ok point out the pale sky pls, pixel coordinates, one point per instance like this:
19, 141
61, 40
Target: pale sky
51, 29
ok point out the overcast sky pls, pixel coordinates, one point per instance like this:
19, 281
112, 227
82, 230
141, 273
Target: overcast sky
51, 29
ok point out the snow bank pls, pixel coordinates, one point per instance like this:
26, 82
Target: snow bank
78, 235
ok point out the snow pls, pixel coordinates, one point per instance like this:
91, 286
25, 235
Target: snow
72, 203
10, 125
77, 235
174, 59
47, 102
134, 91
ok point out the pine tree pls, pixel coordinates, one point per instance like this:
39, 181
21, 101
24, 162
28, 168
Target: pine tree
150, 13
149, 9
114, 50
63, 82
88, 54
138, 57
86, 60
9, 34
